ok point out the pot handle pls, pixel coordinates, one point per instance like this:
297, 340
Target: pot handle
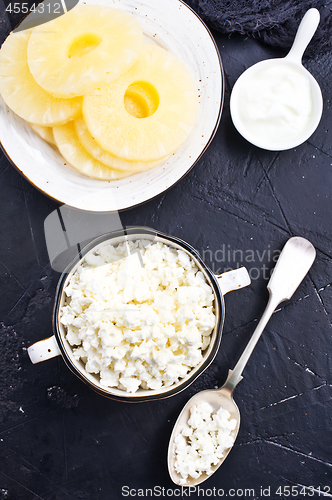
233, 280
44, 349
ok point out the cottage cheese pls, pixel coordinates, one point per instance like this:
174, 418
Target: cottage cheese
202, 443
139, 315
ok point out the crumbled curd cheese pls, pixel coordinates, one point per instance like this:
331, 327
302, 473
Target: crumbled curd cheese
139, 318
202, 443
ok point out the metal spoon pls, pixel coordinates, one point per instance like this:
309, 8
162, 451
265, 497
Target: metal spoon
293, 264
293, 60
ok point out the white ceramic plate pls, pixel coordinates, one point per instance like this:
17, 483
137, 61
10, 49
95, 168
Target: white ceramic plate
174, 26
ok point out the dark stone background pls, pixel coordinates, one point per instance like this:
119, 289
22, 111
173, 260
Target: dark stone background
59, 440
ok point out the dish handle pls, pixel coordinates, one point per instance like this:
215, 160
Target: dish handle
43, 349
233, 280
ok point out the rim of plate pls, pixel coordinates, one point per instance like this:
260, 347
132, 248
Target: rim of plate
48, 172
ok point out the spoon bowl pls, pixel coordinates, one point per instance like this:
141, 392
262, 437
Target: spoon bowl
292, 266
251, 84
217, 398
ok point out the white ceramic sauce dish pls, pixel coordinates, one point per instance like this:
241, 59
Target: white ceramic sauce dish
277, 104
58, 345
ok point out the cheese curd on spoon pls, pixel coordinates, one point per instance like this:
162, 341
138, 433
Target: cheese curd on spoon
202, 443
138, 315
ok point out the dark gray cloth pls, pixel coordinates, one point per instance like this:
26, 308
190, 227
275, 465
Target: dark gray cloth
274, 22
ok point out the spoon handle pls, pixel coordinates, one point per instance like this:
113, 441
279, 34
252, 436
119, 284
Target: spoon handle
304, 34
293, 264
234, 376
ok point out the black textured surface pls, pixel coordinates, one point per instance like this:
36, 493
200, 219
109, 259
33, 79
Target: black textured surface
61, 441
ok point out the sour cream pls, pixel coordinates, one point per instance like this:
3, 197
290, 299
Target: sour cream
274, 105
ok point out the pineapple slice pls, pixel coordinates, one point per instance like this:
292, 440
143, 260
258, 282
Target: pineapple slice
86, 48
93, 148
22, 94
72, 150
45, 133
148, 112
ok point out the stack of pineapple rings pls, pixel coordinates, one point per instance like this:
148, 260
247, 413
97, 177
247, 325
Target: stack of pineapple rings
88, 84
